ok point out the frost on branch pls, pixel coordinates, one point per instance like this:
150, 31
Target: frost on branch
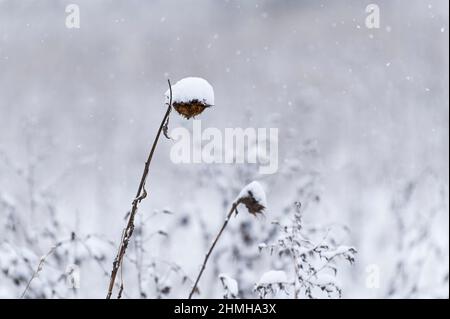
253, 197
314, 264
190, 96
230, 286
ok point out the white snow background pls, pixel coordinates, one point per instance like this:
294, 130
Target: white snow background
363, 137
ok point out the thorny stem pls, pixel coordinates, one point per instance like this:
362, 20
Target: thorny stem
140, 195
230, 213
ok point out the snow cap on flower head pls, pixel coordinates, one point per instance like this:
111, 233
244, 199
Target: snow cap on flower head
253, 197
190, 96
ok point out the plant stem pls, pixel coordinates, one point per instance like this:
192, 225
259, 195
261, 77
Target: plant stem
140, 195
230, 213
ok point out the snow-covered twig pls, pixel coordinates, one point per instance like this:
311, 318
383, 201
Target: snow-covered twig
40, 266
73, 239
313, 264
271, 282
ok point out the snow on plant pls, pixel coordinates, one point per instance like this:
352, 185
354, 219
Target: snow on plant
253, 198
90, 247
24, 268
29, 272
192, 96
230, 286
271, 283
314, 264
420, 210
155, 277
240, 257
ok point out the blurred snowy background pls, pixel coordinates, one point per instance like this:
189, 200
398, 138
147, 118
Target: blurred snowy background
363, 118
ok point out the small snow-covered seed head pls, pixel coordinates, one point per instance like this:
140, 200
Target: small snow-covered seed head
253, 197
253, 206
191, 96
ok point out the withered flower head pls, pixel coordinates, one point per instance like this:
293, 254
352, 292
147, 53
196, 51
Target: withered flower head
190, 109
253, 206
191, 96
253, 197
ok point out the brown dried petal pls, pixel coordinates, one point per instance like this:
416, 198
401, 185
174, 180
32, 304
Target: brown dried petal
190, 109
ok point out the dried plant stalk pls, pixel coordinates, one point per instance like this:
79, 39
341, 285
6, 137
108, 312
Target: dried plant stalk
225, 223
141, 194
255, 204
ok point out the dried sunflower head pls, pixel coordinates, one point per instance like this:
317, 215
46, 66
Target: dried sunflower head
254, 207
191, 108
190, 96
253, 197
